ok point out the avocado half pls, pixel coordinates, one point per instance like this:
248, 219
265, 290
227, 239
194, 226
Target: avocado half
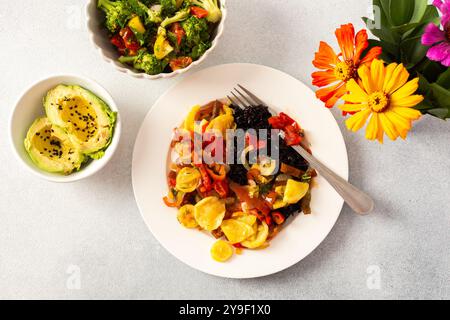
51, 149
87, 119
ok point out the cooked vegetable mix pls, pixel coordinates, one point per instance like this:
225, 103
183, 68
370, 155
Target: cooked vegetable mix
242, 205
157, 36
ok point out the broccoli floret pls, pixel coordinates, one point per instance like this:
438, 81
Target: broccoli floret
169, 7
196, 30
146, 62
179, 16
117, 13
214, 13
150, 15
199, 50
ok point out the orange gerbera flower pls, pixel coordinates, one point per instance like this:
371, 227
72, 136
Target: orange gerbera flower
339, 69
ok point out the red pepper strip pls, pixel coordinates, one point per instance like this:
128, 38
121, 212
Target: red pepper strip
199, 12
217, 175
206, 180
221, 188
268, 220
170, 203
238, 246
278, 218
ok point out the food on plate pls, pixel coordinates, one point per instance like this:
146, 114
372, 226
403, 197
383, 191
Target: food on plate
78, 127
156, 36
221, 251
243, 202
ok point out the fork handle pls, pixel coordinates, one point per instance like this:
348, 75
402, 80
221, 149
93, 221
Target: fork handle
359, 201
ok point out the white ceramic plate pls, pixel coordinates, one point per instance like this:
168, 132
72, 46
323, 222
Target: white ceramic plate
283, 93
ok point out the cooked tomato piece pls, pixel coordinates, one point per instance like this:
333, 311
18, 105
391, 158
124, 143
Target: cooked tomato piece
199, 12
180, 63
178, 30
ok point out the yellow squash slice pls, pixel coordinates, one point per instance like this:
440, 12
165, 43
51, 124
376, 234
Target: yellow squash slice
221, 251
187, 180
209, 213
186, 216
236, 231
259, 238
295, 191
189, 122
245, 218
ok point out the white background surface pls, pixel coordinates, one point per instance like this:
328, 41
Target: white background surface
49, 230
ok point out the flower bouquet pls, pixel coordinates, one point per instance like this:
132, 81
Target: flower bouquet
391, 81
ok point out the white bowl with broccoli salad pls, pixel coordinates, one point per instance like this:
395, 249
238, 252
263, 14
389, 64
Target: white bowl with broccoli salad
155, 39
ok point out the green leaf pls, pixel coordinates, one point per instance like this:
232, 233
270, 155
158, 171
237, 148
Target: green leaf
413, 50
444, 80
401, 11
441, 95
420, 9
439, 112
406, 27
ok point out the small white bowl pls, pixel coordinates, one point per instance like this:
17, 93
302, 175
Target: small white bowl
29, 107
99, 37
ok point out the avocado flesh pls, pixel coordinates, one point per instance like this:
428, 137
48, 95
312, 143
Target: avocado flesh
86, 118
51, 149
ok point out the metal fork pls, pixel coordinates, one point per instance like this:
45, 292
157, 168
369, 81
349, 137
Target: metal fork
359, 201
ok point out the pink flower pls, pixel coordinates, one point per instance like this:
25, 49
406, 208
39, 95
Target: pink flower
439, 39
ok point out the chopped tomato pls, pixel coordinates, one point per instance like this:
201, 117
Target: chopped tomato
180, 63
292, 130
178, 30
117, 41
129, 39
292, 136
221, 188
199, 12
281, 121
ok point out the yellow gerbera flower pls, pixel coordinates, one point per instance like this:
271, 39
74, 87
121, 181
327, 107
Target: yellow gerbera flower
384, 94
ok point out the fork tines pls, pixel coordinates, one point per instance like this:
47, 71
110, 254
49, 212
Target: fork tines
245, 99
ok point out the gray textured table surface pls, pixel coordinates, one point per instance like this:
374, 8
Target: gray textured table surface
50, 234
